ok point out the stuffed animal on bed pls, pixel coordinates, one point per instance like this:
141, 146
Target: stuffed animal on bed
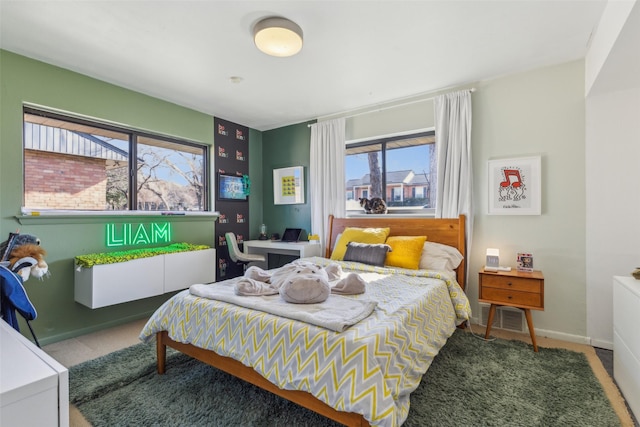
304, 284
300, 282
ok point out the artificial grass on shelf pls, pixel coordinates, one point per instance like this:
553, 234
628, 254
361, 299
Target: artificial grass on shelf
89, 260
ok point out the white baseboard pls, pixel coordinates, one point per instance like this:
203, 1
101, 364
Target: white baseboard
578, 339
602, 344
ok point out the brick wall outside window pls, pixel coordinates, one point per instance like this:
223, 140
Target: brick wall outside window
62, 181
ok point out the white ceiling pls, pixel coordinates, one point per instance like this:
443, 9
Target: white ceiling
356, 53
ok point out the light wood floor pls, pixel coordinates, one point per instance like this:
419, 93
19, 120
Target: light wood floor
87, 347
80, 349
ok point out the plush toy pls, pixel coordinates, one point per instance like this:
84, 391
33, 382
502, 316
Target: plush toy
22, 259
300, 282
14, 240
304, 284
25, 256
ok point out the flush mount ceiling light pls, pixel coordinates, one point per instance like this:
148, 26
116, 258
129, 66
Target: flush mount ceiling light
278, 37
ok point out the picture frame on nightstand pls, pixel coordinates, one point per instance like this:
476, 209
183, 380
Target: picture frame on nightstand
524, 262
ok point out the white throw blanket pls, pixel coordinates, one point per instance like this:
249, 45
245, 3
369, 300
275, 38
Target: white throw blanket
337, 313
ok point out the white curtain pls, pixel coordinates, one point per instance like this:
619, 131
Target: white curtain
326, 174
453, 141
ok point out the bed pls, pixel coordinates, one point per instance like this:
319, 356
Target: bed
359, 377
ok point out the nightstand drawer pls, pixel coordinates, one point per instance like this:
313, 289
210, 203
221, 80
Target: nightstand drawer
511, 297
514, 283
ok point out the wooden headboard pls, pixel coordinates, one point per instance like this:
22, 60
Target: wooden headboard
449, 231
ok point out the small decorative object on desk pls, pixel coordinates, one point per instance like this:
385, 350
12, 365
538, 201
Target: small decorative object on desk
636, 273
314, 238
263, 233
524, 262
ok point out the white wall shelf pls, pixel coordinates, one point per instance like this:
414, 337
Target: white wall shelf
109, 284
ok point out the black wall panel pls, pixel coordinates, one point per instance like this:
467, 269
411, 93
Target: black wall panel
231, 157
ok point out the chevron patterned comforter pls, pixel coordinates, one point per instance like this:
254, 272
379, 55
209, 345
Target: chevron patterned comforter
370, 369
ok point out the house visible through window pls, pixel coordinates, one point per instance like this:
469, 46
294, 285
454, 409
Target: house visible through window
72, 164
401, 170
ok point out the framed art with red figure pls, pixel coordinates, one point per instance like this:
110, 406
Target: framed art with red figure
514, 186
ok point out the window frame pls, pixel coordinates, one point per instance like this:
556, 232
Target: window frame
133, 135
383, 141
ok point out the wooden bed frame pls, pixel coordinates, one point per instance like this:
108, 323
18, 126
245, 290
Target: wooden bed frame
448, 231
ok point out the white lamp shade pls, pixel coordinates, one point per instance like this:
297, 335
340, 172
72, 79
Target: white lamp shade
278, 37
493, 258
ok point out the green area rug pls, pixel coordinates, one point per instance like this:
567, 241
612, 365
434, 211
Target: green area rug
470, 383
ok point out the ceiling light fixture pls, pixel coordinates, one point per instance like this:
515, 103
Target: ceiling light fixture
278, 36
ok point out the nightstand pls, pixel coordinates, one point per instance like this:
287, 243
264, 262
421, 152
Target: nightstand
520, 289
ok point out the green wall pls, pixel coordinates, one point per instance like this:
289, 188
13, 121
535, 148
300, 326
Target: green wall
255, 175
23, 80
513, 117
282, 148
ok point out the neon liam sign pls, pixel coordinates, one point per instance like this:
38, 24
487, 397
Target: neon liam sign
143, 234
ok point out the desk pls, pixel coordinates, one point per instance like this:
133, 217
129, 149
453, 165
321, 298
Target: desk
266, 247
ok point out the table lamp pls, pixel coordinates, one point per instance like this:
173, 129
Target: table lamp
493, 261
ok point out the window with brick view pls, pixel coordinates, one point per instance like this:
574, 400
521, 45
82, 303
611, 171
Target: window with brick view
78, 165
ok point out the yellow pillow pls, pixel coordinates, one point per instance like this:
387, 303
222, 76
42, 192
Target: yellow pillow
358, 235
405, 251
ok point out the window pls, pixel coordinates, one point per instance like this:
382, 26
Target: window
396, 193
75, 164
401, 170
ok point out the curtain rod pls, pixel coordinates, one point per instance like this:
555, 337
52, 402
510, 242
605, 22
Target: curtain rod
473, 89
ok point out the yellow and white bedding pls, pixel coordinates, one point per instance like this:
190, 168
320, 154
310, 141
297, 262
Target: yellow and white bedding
369, 368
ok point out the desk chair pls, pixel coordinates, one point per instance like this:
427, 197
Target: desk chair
240, 257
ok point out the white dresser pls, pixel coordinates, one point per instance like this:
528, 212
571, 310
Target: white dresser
34, 388
626, 339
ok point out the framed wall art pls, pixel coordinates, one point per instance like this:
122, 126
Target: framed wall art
288, 185
514, 186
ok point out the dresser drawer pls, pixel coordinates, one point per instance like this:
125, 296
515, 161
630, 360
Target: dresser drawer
514, 283
511, 297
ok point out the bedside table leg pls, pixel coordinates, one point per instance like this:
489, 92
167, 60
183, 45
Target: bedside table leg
527, 314
492, 313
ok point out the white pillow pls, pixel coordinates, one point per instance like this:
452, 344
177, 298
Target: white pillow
436, 256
